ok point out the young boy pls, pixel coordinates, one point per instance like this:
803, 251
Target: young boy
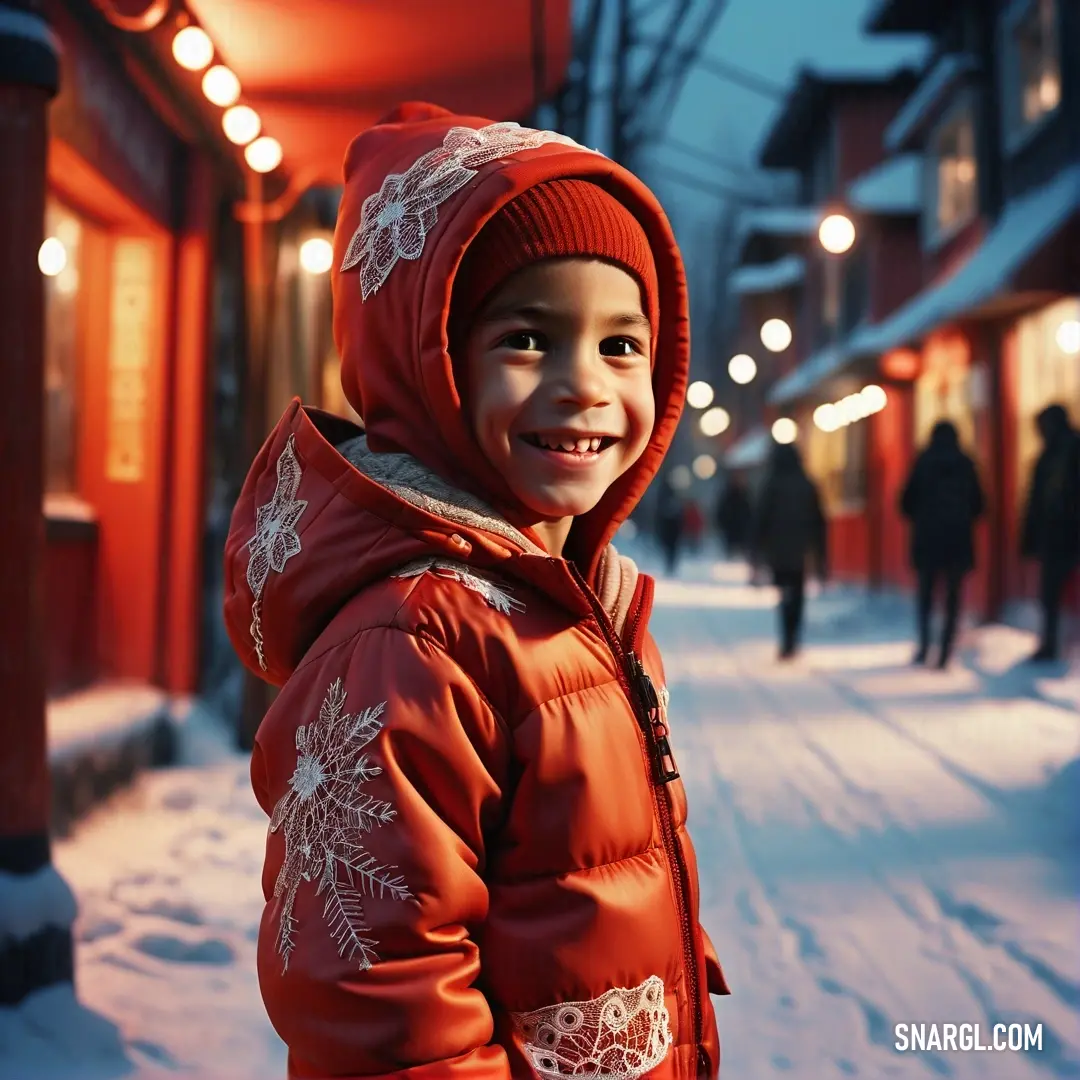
477, 863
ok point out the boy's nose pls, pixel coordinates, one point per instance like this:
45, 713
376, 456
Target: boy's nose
583, 380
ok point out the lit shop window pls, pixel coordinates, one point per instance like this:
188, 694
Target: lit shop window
58, 260
1032, 60
954, 187
1048, 372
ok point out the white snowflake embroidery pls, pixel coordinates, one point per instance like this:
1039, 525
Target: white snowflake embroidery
395, 220
620, 1035
275, 541
498, 596
321, 815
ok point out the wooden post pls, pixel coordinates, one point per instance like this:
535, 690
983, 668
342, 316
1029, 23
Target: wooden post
35, 950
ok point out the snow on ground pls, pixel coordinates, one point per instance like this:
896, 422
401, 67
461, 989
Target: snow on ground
167, 880
878, 844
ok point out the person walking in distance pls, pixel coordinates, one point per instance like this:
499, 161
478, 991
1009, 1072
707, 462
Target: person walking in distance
670, 524
1051, 533
733, 516
788, 531
942, 499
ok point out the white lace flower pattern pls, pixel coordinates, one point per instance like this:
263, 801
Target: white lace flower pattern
498, 596
275, 541
395, 220
620, 1035
322, 816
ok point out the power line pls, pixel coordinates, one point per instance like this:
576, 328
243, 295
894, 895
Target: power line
707, 158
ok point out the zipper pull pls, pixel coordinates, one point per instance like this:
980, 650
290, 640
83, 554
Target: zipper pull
663, 757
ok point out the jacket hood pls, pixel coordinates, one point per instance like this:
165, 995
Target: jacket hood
418, 189
328, 507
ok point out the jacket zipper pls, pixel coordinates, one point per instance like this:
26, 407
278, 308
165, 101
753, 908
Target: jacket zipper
643, 698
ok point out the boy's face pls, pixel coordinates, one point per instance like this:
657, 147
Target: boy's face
560, 356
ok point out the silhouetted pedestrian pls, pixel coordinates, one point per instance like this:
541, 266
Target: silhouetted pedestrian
733, 514
1051, 533
787, 532
670, 522
942, 499
693, 524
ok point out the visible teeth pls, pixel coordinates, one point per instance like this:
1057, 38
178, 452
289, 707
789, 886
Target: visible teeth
594, 445
583, 446
568, 446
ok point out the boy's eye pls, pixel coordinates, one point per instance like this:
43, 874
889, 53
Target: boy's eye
619, 346
524, 341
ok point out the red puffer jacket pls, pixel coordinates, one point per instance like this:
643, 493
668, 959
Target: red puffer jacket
477, 863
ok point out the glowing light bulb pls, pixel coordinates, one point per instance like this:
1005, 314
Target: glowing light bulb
874, 398
316, 255
826, 418
836, 233
192, 48
220, 86
241, 124
52, 256
704, 466
742, 369
264, 154
699, 395
715, 421
775, 335
785, 430
1068, 337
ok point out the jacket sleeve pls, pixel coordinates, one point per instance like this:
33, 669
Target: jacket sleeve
382, 767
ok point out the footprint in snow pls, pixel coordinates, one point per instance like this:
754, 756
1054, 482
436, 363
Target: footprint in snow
177, 951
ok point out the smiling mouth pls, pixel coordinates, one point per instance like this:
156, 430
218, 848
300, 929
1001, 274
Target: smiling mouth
593, 444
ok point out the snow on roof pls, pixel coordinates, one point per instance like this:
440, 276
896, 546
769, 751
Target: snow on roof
813, 370
106, 714
918, 108
749, 450
778, 221
1025, 226
768, 277
893, 187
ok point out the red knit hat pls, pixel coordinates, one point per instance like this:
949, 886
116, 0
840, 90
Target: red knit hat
558, 218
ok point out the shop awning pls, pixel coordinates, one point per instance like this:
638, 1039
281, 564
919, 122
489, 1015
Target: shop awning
892, 188
813, 371
1022, 231
767, 277
320, 72
749, 450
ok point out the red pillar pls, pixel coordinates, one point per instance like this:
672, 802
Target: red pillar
36, 952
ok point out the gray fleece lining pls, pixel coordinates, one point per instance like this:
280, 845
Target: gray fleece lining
416, 484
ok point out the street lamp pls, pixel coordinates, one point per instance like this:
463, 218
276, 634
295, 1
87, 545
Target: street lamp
775, 335
742, 369
836, 233
785, 430
699, 395
715, 421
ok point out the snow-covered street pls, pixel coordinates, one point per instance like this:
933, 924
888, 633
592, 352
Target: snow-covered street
878, 845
